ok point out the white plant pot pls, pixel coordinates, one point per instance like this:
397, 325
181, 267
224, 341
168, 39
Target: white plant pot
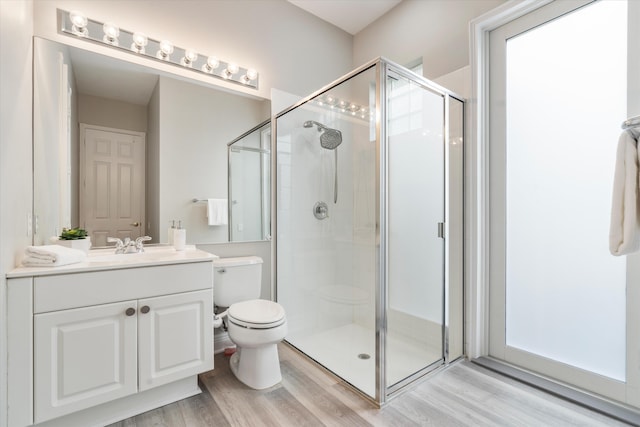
82, 244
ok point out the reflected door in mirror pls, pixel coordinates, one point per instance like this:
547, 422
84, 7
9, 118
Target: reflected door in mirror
112, 182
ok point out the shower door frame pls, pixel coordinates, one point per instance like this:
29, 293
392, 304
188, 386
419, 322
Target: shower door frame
382, 67
382, 305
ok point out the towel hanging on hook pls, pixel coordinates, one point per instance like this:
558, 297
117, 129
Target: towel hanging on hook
631, 123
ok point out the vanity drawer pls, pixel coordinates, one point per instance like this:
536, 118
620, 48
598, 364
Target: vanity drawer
66, 291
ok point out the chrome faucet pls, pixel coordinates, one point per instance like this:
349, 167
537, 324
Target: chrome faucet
129, 246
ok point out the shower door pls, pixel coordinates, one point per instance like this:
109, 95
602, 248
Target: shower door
415, 152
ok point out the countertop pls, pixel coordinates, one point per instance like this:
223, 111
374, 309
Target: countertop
106, 259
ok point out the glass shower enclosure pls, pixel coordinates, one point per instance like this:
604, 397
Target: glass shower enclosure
363, 222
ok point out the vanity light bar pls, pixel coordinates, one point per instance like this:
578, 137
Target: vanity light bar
76, 24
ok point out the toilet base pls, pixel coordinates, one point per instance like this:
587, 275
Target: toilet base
258, 368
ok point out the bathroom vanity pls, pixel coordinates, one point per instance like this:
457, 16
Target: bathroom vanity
96, 342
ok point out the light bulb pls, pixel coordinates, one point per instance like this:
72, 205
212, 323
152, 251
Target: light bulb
252, 74
139, 42
211, 64
111, 33
190, 56
165, 51
78, 23
232, 68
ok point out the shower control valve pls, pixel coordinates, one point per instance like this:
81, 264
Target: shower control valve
321, 210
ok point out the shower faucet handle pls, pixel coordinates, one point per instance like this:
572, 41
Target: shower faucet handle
321, 210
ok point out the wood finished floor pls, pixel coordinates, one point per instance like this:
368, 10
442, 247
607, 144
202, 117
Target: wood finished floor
462, 395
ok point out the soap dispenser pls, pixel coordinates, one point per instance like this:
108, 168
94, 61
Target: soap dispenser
171, 231
179, 237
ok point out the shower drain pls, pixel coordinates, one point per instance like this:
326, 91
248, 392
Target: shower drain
364, 356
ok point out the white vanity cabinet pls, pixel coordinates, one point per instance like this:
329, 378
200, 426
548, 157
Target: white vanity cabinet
99, 346
175, 334
83, 357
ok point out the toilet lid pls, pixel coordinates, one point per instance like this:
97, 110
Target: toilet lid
257, 311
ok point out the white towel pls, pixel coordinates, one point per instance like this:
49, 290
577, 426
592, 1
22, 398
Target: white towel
51, 256
624, 233
217, 211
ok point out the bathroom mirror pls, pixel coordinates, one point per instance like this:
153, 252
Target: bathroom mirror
164, 139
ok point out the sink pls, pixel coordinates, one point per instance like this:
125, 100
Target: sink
152, 254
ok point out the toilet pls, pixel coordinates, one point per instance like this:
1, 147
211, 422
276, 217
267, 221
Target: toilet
255, 325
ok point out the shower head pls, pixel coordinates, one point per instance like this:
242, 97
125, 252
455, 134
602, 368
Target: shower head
330, 138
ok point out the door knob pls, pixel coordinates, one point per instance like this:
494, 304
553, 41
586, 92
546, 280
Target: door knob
136, 224
130, 311
145, 309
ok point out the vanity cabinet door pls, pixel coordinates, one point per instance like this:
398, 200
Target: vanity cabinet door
175, 337
84, 357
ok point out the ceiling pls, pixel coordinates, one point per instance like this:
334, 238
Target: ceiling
106, 77
350, 15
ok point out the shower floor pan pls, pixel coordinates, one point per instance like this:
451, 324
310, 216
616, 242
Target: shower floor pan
344, 350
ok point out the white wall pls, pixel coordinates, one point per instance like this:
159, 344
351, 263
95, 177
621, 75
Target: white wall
292, 50
458, 81
434, 30
15, 153
98, 111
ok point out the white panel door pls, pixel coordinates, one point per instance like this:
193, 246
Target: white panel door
113, 184
83, 357
175, 337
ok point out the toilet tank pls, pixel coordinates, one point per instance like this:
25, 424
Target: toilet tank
236, 279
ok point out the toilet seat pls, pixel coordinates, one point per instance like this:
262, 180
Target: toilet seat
257, 314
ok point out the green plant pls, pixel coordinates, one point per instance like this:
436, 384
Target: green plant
73, 234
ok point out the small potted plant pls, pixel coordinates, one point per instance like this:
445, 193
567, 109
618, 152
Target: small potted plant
76, 238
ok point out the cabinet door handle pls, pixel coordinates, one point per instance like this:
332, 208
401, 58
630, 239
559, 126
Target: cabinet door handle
145, 309
130, 311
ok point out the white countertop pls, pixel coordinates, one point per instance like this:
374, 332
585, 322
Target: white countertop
106, 259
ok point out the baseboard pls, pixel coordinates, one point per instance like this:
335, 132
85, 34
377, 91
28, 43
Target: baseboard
221, 341
128, 406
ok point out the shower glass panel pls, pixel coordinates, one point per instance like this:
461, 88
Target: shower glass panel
326, 248
360, 220
249, 158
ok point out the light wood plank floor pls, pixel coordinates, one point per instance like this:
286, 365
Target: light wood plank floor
462, 395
